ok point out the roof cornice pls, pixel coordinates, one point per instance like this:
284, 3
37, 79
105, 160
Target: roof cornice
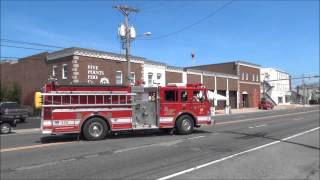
91, 53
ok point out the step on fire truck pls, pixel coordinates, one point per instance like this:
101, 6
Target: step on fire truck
95, 111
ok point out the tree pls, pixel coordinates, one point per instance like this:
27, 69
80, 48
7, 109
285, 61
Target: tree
10, 94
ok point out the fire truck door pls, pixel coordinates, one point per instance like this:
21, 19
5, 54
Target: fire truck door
185, 103
198, 107
144, 112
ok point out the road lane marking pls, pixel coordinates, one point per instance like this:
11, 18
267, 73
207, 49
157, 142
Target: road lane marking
134, 148
22, 132
169, 143
257, 126
26, 130
32, 146
117, 151
91, 156
234, 155
196, 137
36, 166
264, 117
297, 119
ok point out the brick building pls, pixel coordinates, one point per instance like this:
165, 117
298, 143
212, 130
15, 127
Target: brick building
68, 66
30, 73
83, 66
248, 84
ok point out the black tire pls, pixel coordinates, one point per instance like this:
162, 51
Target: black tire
95, 129
184, 124
5, 128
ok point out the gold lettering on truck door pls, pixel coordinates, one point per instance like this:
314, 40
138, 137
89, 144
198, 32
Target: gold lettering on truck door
169, 112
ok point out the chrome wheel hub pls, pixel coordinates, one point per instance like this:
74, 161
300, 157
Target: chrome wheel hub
186, 124
95, 129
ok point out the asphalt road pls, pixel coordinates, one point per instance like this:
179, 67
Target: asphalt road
264, 145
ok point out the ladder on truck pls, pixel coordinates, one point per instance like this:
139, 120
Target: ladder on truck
87, 98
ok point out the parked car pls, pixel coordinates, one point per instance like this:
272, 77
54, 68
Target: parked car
264, 104
6, 125
13, 110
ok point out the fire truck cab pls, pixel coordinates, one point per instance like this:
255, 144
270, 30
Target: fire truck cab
95, 111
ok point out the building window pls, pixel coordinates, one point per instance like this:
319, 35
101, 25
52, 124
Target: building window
242, 76
257, 78
54, 71
133, 78
150, 75
287, 98
158, 75
247, 76
253, 77
119, 77
64, 71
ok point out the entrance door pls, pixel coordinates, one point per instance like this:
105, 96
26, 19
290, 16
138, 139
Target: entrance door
245, 100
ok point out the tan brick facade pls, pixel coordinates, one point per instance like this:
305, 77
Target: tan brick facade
253, 95
82, 66
221, 83
173, 77
193, 78
108, 69
29, 73
208, 82
249, 80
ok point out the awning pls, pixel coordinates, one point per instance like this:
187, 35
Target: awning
215, 96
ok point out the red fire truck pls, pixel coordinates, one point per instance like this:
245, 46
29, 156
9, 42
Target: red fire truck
95, 111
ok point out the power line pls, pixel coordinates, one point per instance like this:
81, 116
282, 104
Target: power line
31, 43
193, 24
303, 77
22, 47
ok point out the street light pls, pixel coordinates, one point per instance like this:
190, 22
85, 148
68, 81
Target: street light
147, 33
143, 35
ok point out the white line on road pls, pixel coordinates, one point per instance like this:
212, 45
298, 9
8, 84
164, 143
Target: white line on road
262, 125
297, 119
23, 131
196, 137
234, 155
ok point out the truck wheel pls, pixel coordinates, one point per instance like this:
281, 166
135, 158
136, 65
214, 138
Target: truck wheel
184, 124
5, 128
95, 129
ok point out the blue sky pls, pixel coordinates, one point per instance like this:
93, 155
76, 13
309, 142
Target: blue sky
281, 34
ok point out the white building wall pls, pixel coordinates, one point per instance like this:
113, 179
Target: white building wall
158, 75
280, 92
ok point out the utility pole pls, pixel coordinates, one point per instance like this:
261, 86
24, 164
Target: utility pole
125, 10
303, 91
